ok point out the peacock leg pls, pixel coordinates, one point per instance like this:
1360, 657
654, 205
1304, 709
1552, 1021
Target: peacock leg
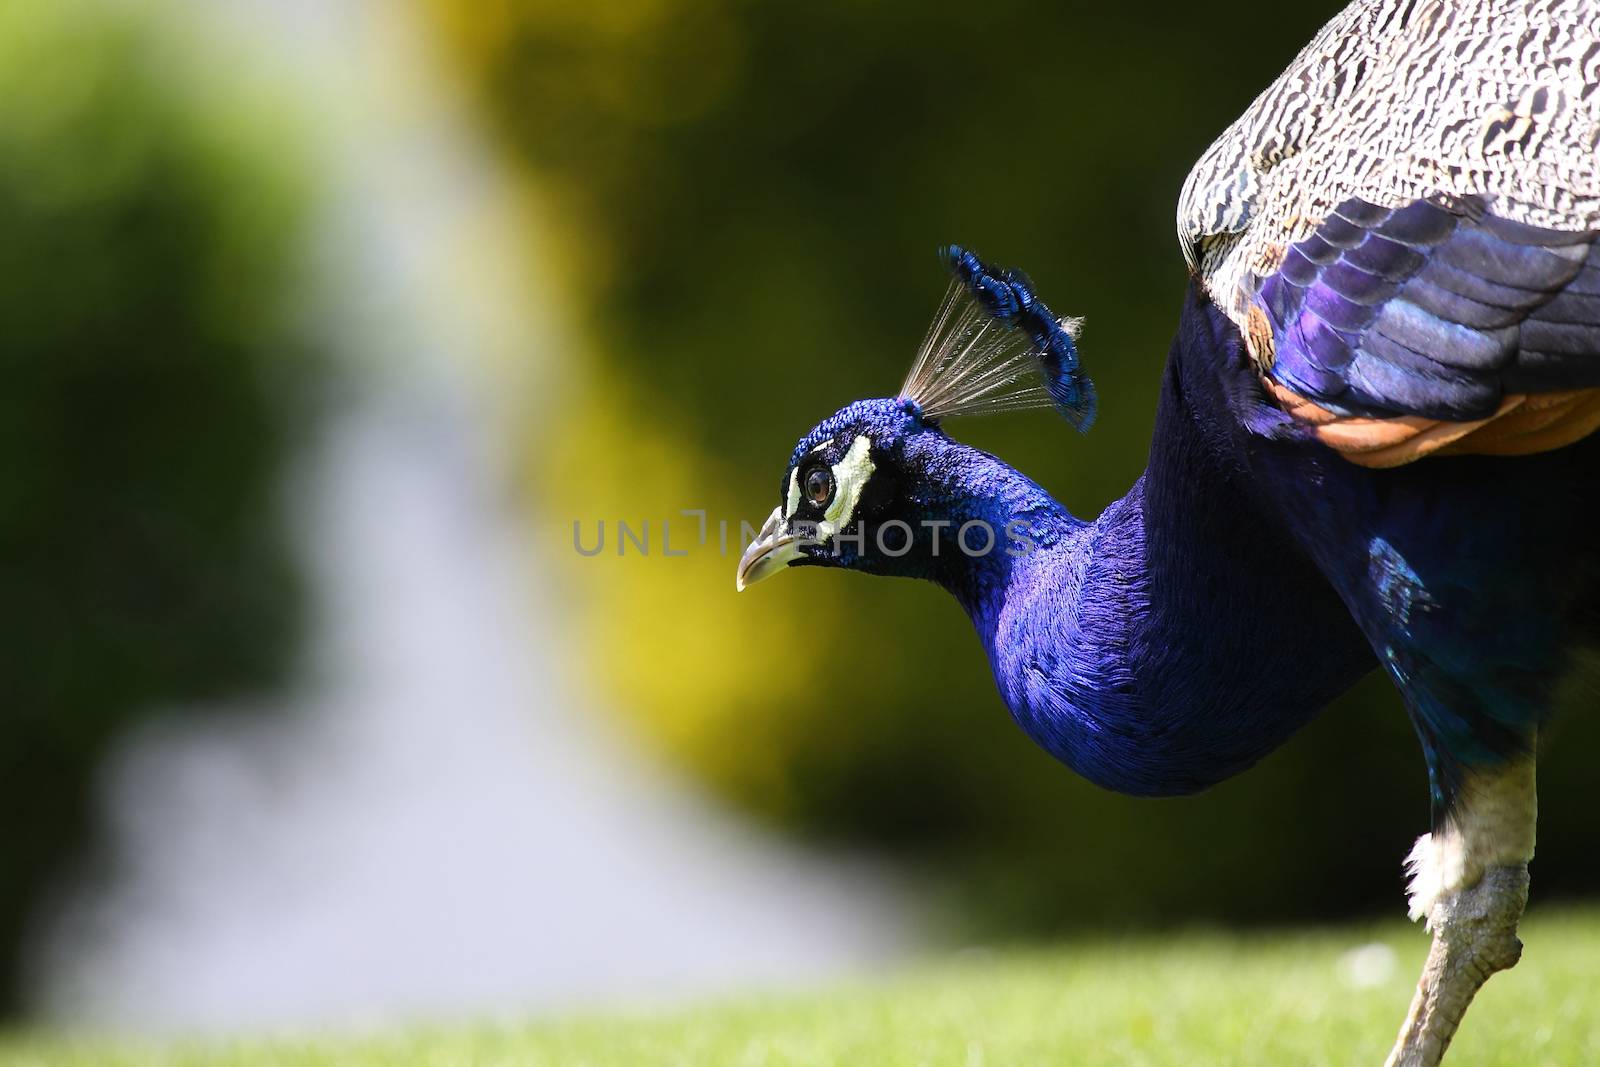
1474, 935
1470, 879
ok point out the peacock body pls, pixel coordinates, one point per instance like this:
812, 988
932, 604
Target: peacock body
1374, 447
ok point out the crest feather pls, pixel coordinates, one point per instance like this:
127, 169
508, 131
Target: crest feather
994, 346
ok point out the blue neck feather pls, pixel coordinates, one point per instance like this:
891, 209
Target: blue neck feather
1136, 648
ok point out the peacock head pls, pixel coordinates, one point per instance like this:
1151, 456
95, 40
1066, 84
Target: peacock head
868, 488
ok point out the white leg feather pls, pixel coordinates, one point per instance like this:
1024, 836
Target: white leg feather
1492, 826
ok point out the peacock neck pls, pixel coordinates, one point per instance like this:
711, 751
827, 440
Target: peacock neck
1011, 518
1178, 638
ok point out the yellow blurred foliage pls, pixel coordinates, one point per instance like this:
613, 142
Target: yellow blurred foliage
609, 55
686, 660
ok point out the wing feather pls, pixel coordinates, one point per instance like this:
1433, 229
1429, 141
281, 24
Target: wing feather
1413, 206
1474, 312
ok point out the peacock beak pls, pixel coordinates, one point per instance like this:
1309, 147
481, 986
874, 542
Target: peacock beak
769, 553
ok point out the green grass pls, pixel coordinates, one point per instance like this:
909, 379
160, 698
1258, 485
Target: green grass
1275, 1000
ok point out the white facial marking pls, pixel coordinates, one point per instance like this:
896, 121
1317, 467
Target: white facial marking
850, 476
793, 503
820, 447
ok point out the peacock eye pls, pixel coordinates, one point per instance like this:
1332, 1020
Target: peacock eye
819, 485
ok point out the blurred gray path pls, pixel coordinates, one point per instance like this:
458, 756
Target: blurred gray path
439, 824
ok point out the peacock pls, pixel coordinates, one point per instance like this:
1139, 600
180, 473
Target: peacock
1373, 446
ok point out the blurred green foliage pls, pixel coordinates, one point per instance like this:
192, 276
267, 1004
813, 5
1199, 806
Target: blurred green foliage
153, 383
746, 199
